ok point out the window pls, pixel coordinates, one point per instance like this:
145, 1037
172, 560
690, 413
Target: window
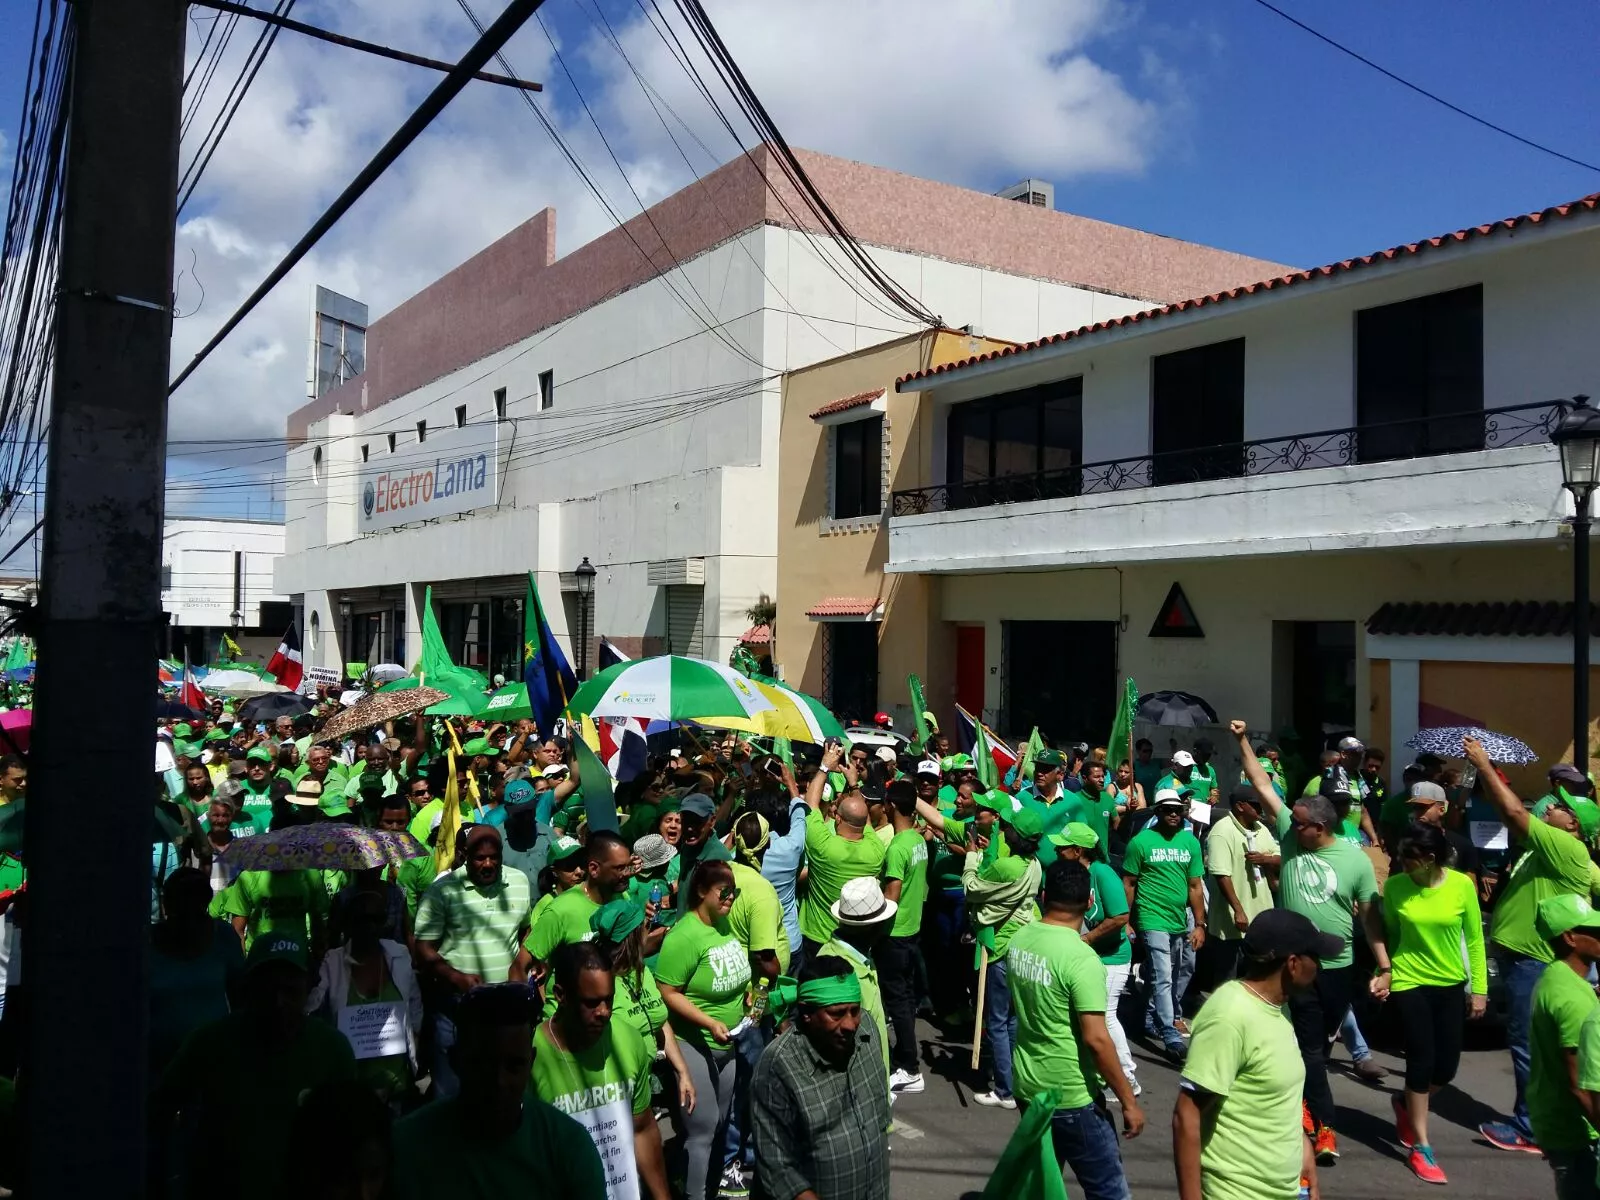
1024, 445
364, 451
391, 443
166, 577
499, 404
316, 465
1419, 374
422, 432
1197, 413
858, 469
461, 415
850, 669
547, 390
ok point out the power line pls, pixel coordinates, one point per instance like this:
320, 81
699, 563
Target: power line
1425, 93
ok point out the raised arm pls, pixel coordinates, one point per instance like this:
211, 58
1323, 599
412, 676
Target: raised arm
1505, 801
831, 755
1253, 774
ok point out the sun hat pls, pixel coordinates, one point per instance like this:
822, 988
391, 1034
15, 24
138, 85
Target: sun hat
1563, 913
862, 902
654, 851
1166, 797
307, 792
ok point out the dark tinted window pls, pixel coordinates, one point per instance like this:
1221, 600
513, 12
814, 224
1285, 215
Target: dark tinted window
1419, 364
858, 469
1023, 445
1197, 406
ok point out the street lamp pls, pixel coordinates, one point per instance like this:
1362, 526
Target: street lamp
585, 575
1577, 437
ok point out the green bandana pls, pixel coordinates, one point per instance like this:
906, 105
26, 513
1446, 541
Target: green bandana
785, 994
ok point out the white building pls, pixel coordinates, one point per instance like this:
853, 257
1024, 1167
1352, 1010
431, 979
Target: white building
216, 578
620, 404
1327, 501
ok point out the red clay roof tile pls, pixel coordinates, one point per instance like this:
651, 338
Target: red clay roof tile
846, 404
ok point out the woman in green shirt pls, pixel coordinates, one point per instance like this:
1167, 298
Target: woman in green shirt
703, 973
1429, 911
620, 927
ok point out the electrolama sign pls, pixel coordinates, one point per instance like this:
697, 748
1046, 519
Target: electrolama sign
453, 471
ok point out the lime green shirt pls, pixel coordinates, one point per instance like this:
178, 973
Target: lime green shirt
565, 920
710, 967
1000, 898
1053, 978
1096, 810
1108, 898
476, 928
756, 917
907, 861
1226, 847
831, 862
1162, 867
1325, 884
1589, 1053
1562, 1002
611, 1076
274, 900
1243, 1050
1556, 862
1426, 927
640, 1004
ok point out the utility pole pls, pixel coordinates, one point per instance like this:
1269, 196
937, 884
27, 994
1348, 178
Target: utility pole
89, 828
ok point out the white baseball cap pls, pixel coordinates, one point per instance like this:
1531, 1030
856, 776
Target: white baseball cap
1183, 759
928, 767
1351, 743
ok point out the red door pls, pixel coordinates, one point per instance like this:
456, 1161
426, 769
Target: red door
969, 668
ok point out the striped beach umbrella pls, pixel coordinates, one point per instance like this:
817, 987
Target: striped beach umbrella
670, 688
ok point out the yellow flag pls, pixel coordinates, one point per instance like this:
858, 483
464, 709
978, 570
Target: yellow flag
444, 847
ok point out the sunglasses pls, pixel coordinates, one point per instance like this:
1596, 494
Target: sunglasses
422, 791
727, 893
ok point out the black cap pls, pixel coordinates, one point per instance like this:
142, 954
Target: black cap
1278, 933
1335, 783
1244, 794
1204, 745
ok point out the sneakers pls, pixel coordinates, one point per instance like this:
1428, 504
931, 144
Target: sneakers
1423, 1167
734, 1185
1405, 1132
1327, 1147
1176, 1052
1505, 1137
994, 1100
1111, 1096
904, 1081
1307, 1125
1369, 1069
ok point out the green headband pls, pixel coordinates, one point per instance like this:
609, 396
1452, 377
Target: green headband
819, 993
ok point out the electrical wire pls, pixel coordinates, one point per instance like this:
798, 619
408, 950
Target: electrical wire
1425, 93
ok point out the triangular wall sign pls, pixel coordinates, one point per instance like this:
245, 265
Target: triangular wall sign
1176, 617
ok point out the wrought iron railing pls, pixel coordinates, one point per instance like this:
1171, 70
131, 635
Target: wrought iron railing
1490, 429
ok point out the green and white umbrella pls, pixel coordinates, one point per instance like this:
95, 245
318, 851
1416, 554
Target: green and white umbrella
670, 688
510, 703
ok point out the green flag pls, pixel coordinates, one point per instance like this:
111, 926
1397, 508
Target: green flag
1025, 767
599, 803
781, 749
1027, 1169
18, 656
435, 658
1122, 730
983, 760
919, 707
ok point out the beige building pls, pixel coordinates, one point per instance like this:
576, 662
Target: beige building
849, 441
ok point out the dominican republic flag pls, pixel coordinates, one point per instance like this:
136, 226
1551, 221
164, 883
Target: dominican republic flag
285, 665
609, 656
622, 746
191, 694
976, 738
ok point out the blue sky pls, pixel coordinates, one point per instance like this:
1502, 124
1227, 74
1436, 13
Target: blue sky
1216, 122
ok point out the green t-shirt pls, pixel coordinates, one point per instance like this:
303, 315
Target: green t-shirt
1555, 862
831, 862
441, 1150
1589, 1053
1226, 847
565, 920
609, 1080
1562, 1002
1243, 1050
1426, 927
907, 861
1053, 977
1162, 867
1324, 884
222, 1075
1096, 810
273, 900
1108, 898
709, 966
640, 1004
756, 917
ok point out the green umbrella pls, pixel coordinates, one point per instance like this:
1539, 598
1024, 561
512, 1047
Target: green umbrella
670, 688
510, 703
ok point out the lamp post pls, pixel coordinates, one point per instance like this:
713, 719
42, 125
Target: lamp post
1577, 437
585, 574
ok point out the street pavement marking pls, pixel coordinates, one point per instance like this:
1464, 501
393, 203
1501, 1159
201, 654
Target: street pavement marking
910, 1132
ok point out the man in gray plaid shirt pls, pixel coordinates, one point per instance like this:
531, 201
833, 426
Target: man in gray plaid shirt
818, 1104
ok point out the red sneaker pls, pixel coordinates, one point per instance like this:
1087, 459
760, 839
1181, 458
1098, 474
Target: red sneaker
1423, 1167
1405, 1132
1327, 1146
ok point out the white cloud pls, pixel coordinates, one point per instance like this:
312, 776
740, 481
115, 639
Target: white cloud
961, 92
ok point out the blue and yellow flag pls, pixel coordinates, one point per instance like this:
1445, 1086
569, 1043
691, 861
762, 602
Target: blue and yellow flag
545, 669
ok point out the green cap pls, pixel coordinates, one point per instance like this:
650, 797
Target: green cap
563, 848
186, 749
1076, 834
259, 754
1049, 758
616, 920
1563, 913
1587, 812
217, 735
479, 746
182, 733
997, 802
956, 762
1027, 822
277, 947
335, 805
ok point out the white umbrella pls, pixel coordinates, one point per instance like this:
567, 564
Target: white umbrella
243, 691
219, 681
387, 672
350, 697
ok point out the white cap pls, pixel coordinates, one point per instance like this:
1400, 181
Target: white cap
1168, 796
555, 770
887, 754
1183, 759
928, 767
1351, 743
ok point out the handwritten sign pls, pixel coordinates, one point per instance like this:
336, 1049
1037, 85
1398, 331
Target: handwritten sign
374, 1030
610, 1127
1490, 835
319, 675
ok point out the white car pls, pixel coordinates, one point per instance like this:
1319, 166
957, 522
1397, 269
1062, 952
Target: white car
871, 735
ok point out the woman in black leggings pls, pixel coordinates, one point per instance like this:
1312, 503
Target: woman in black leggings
1429, 910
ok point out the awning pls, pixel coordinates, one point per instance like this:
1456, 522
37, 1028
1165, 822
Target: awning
852, 408
847, 608
756, 635
1512, 618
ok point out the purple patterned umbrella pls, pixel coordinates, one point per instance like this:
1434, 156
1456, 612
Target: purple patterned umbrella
325, 846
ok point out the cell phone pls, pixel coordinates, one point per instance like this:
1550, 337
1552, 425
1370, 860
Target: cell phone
774, 768
833, 743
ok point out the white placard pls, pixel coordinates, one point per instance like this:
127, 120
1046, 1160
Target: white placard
315, 676
374, 1030
1200, 811
610, 1127
1490, 835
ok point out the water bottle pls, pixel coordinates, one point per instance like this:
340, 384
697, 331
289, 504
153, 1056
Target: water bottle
657, 893
758, 1006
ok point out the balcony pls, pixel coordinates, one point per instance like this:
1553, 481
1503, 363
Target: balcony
1397, 483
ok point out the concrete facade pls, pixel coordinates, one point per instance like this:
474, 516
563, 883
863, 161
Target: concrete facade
212, 568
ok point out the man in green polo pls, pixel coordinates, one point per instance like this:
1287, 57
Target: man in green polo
1563, 1002
836, 852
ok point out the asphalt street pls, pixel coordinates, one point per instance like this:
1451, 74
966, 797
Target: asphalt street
944, 1145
